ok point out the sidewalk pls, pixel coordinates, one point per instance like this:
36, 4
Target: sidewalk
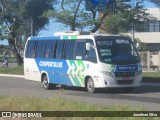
10, 75
12, 64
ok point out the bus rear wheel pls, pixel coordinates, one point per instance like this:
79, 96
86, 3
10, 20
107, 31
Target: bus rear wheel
46, 85
90, 85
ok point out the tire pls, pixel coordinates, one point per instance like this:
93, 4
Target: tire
128, 89
46, 85
90, 86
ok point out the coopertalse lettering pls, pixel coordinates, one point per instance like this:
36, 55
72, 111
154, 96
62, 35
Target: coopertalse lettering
50, 64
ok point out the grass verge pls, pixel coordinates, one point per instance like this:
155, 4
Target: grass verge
151, 74
61, 104
151, 77
15, 70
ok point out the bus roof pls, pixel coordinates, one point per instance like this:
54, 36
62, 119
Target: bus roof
69, 35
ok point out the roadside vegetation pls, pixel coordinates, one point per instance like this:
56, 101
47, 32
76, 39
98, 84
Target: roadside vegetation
151, 77
53, 104
10, 70
61, 104
152, 74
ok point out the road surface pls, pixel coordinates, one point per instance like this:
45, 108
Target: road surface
147, 96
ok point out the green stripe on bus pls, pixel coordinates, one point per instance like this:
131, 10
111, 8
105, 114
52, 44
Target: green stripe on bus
65, 37
83, 66
74, 76
80, 72
82, 80
76, 81
73, 37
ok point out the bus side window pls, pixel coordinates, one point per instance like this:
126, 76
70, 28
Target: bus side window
50, 47
59, 49
80, 51
40, 49
70, 49
31, 48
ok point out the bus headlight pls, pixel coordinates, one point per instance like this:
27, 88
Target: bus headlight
107, 73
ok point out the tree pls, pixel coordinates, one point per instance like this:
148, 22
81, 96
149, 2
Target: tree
19, 16
124, 18
71, 13
112, 19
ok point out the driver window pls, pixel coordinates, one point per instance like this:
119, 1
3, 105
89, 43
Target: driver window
82, 54
91, 54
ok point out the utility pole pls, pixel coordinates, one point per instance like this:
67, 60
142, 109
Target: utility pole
132, 32
32, 23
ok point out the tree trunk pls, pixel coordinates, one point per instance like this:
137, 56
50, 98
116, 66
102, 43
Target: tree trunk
13, 48
98, 25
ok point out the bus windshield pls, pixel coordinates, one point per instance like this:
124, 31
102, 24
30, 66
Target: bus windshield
116, 50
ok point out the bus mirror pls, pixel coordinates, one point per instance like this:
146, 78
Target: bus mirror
138, 46
88, 46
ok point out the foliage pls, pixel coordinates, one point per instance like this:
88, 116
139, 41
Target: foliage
18, 14
72, 13
22, 17
58, 104
112, 19
124, 18
14, 71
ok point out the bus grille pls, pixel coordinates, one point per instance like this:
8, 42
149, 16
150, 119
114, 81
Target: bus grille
124, 74
124, 81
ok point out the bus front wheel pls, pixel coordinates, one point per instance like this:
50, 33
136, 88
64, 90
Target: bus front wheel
46, 85
90, 85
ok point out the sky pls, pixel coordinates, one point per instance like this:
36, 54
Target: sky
54, 26
4, 42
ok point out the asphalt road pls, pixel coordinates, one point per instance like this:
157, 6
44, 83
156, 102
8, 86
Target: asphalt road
147, 96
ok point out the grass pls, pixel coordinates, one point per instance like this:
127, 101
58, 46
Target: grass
151, 77
51, 104
151, 74
61, 104
15, 70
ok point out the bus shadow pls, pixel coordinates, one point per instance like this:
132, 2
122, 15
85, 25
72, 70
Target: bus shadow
118, 94
149, 88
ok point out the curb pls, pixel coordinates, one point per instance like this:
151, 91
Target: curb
151, 84
9, 75
148, 81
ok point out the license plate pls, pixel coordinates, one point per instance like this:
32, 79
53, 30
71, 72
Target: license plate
126, 78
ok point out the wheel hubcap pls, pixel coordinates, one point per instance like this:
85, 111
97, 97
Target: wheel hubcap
45, 82
90, 85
